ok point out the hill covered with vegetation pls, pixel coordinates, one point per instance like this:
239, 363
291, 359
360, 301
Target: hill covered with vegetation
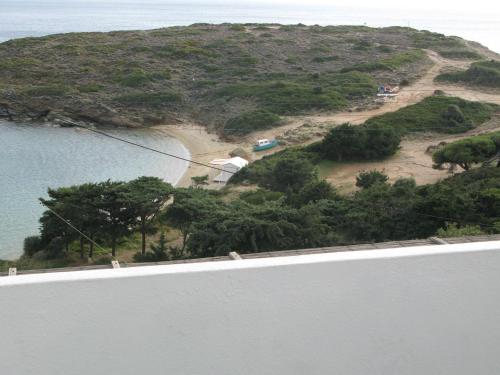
481, 73
213, 74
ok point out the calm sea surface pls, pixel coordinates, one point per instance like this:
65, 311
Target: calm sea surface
33, 158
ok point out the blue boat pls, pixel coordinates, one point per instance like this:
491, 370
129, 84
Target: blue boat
265, 144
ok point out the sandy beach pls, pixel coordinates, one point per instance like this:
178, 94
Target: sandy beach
203, 147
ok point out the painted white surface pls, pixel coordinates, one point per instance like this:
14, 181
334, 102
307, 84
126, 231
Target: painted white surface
430, 310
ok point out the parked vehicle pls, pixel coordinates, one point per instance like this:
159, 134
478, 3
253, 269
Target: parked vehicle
265, 144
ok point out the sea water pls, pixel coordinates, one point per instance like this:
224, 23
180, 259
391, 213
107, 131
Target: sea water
36, 157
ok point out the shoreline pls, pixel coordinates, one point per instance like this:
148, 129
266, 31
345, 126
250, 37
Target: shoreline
202, 146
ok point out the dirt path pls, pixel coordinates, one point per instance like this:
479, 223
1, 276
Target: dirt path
411, 161
409, 95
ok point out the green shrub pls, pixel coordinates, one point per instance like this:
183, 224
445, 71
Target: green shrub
390, 64
51, 90
90, 87
251, 121
260, 196
366, 180
432, 114
362, 45
323, 59
237, 27
427, 39
351, 85
385, 49
244, 60
460, 54
261, 172
139, 77
285, 97
347, 142
367, 67
185, 50
483, 73
32, 245
16, 63
469, 151
454, 230
153, 99
158, 252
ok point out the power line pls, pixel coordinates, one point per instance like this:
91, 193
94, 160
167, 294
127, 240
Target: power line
72, 226
146, 147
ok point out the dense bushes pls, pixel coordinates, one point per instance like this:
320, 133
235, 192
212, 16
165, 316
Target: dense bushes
469, 151
428, 39
32, 245
483, 73
139, 77
150, 99
323, 59
285, 97
460, 54
250, 121
284, 170
298, 94
368, 179
50, 90
348, 142
441, 114
314, 215
390, 64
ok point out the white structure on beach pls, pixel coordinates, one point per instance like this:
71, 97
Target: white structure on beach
226, 168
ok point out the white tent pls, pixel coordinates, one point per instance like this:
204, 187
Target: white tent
229, 166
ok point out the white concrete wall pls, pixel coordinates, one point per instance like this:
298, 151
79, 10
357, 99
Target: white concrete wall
423, 311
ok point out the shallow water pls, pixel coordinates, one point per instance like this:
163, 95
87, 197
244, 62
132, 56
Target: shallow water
35, 157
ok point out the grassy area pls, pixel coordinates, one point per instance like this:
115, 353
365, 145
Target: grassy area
436, 41
460, 54
303, 93
482, 73
154, 99
433, 114
132, 71
52, 90
389, 64
286, 97
251, 121
325, 168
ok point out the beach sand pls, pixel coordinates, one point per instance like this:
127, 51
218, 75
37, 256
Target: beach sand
203, 147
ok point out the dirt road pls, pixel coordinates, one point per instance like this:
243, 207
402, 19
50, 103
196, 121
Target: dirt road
411, 161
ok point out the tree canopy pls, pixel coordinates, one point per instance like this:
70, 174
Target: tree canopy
467, 152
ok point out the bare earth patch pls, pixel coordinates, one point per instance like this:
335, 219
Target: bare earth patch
411, 161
